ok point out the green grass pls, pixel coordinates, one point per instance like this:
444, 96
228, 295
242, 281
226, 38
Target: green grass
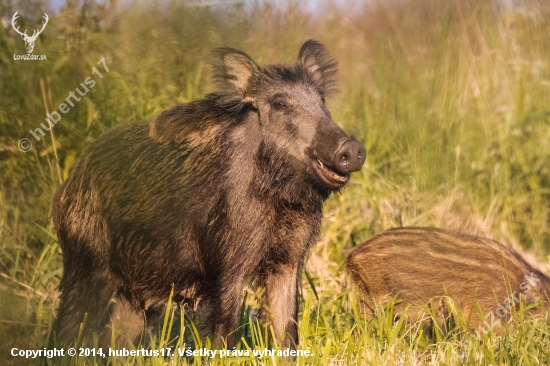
451, 99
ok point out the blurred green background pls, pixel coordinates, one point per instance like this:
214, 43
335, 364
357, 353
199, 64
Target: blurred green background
451, 99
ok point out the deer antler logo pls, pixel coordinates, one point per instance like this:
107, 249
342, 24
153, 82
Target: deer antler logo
29, 40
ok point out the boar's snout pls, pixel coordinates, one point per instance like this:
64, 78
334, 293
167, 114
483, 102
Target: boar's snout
350, 157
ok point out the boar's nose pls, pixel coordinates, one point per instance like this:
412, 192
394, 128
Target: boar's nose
350, 157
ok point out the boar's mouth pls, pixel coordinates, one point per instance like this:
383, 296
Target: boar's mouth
329, 176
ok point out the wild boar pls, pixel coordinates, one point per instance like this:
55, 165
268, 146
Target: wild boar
204, 197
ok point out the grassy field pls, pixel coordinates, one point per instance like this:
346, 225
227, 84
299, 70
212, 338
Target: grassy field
451, 99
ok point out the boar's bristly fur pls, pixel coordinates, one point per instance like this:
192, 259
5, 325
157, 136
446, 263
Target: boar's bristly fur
208, 195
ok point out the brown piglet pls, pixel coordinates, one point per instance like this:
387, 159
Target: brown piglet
419, 266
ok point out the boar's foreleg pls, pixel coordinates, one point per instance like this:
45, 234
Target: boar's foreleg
282, 298
224, 314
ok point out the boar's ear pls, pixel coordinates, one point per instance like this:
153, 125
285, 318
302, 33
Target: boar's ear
234, 71
315, 58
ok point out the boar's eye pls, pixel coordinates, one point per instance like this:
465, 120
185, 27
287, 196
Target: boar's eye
279, 105
323, 99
